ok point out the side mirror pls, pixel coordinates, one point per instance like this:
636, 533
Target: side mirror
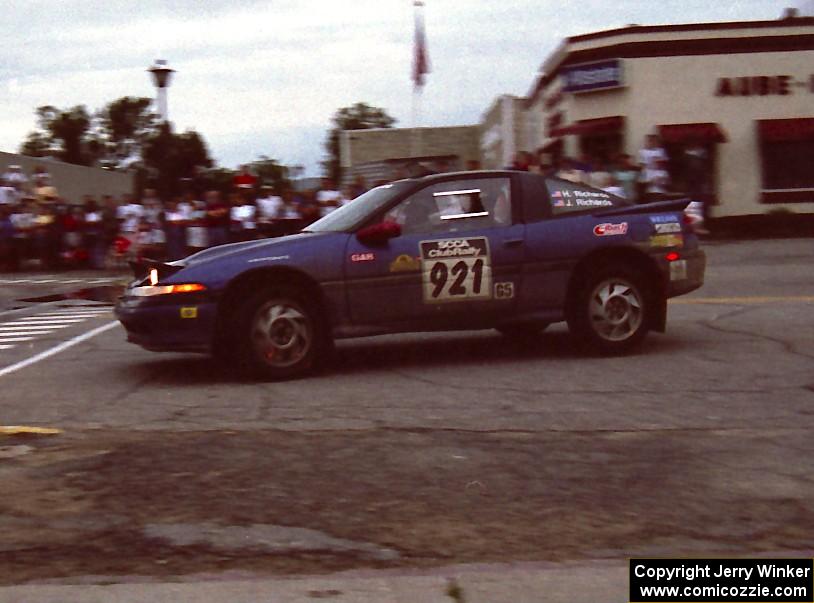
378, 234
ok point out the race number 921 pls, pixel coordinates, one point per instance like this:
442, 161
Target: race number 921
456, 270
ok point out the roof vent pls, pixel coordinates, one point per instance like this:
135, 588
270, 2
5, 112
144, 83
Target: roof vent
790, 13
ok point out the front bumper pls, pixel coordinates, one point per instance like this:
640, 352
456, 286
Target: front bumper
177, 323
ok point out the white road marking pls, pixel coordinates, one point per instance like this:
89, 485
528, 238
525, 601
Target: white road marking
57, 349
31, 327
40, 322
7, 339
73, 315
5, 347
5, 334
62, 318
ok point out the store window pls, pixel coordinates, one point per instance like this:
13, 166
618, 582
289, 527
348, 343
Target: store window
601, 149
692, 151
692, 168
788, 164
787, 153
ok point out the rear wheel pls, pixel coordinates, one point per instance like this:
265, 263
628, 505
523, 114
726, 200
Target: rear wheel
279, 334
613, 310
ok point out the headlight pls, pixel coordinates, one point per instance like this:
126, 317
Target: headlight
150, 290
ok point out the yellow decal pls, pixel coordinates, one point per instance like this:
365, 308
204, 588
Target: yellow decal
667, 240
405, 263
190, 312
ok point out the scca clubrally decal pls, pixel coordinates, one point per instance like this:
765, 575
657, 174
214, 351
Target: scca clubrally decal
456, 270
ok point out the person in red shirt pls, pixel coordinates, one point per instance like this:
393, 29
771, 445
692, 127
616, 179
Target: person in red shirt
217, 219
245, 180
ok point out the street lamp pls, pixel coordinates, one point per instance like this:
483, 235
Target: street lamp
161, 78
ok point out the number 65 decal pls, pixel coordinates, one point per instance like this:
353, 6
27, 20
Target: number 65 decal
456, 270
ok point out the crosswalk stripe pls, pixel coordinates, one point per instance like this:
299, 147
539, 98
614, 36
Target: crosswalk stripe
7, 339
20, 333
40, 322
65, 318
79, 310
4, 346
32, 328
83, 316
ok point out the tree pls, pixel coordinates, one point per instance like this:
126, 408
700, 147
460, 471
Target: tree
62, 133
124, 133
124, 126
38, 144
269, 171
172, 158
360, 116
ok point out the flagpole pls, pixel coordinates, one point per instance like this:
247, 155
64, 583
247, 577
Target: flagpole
420, 68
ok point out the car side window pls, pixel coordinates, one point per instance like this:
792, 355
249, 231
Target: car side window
568, 197
455, 206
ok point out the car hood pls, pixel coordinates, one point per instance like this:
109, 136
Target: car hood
247, 247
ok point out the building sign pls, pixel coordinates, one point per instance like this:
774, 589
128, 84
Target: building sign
589, 77
761, 85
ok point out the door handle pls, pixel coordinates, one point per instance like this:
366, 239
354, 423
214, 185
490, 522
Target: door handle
512, 242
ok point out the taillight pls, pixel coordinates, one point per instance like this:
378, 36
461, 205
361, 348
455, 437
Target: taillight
672, 256
688, 222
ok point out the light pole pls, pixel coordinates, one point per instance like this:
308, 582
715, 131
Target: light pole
161, 78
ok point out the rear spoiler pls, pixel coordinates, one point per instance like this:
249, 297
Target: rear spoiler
646, 208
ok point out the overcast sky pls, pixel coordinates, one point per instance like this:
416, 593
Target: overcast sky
265, 77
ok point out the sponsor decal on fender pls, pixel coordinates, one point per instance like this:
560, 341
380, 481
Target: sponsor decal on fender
405, 263
189, 312
667, 240
362, 257
608, 229
667, 227
663, 218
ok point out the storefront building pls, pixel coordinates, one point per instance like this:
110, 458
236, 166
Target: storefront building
743, 91
384, 154
502, 132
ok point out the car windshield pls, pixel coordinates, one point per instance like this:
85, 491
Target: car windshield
349, 216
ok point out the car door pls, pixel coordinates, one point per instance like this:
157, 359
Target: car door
559, 231
456, 263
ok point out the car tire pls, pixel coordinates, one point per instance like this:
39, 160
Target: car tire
612, 311
280, 334
523, 330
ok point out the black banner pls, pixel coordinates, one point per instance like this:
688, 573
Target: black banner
724, 580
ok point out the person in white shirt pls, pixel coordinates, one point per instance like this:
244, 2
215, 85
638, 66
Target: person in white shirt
270, 207
242, 215
657, 180
8, 194
652, 153
130, 214
15, 178
328, 198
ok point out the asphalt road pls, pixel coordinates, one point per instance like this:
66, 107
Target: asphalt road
417, 450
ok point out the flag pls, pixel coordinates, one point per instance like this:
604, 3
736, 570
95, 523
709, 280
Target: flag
421, 59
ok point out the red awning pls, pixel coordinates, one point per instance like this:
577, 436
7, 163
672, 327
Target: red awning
601, 125
550, 145
685, 133
781, 130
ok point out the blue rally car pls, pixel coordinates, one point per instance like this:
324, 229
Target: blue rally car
470, 250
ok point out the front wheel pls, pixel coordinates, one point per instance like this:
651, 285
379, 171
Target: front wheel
280, 334
612, 311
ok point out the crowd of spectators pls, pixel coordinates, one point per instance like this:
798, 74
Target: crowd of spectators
643, 179
39, 228
37, 225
